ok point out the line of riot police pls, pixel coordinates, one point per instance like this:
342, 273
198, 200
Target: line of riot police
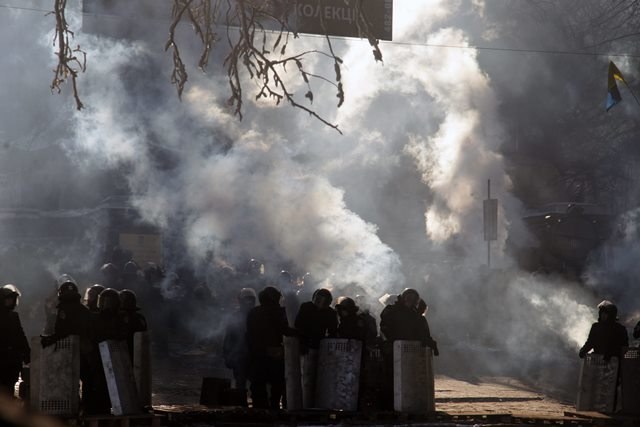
103, 314
253, 344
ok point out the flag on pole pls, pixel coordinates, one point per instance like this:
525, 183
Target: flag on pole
613, 96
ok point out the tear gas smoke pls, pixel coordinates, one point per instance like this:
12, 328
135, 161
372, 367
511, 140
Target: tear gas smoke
395, 202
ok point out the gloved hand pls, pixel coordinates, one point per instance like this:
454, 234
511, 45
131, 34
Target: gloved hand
47, 340
582, 353
436, 352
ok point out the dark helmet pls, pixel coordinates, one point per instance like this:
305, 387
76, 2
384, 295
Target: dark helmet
67, 288
269, 296
130, 268
7, 292
323, 293
322, 298
247, 293
109, 270
92, 293
128, 300
109, 299
247, 298
347, 304
409, 293
608, 307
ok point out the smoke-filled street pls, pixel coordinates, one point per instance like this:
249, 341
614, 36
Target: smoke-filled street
384, 211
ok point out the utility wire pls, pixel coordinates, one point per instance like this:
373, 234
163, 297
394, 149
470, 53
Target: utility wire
400, 43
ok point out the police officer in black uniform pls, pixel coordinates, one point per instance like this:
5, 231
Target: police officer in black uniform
351, 325
72, 318
402, 321
234, 346
91, 297
14, 347
316, 320
606, 337
133, 321
266, 326
107, 324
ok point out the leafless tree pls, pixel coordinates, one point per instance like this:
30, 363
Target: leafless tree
258, 34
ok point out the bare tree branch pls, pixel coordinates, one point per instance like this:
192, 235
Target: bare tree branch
258, 36
69, 65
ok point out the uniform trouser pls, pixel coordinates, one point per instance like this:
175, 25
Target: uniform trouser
95, 394
267, 371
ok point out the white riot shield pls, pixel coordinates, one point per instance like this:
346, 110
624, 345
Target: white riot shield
413, 381
339, 374
598, 384
55, 376
121, 383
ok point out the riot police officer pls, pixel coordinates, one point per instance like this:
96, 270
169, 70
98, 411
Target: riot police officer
266, 326
107, 325
72, 318
606, 337
316, 320
351, 325
91, 297
234, 346
132, 320
14, 347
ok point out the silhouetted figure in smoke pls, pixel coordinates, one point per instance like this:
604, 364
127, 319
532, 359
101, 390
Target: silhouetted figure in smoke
73, 318
133, 321
316, 320
636, 331
111, 276
204, 310
351, 325
266, 325
370, 321
107, 325
91, 297
606, 337
402, 321
14, 347
234, 347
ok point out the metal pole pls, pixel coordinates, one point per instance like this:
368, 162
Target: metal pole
489, 240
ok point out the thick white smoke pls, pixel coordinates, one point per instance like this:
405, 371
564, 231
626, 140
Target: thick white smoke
396, 201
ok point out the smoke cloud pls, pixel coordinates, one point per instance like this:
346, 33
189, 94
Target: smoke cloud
394, 202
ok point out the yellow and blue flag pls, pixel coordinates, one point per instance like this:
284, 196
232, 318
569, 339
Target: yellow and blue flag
613, 96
